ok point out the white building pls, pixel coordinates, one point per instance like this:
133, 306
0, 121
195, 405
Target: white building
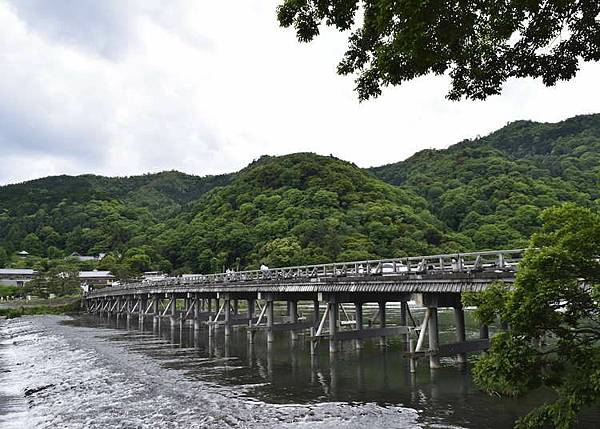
16, 276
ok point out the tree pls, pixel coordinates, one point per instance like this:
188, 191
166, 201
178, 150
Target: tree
60, 281
553, 314
3, 257
480, 44
32, 244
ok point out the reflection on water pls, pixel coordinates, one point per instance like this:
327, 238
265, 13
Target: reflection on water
284, 372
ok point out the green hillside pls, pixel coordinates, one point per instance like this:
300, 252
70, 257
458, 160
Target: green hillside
298, 209
492, 189
304, 208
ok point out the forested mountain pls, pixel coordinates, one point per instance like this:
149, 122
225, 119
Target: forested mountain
298, 209
304, 208
492, 189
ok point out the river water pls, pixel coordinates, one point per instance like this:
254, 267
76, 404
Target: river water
92, 372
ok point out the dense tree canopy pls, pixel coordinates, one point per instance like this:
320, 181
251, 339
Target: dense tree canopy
553, 314
303, 208
493, 189
480, 44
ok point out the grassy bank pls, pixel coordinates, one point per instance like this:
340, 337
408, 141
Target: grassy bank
12, 311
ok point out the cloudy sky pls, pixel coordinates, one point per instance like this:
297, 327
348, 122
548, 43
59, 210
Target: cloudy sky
122, 87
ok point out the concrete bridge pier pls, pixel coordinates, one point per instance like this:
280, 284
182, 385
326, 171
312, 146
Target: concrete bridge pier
198, 304
358, 317
333, 309
227, 315
155, 312
128, 311
140, 311
403, 318
459, 316
382, 321
250, 312
173, 311
270, 313
434, 339
293, 314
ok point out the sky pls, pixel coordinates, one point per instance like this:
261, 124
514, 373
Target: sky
126, 87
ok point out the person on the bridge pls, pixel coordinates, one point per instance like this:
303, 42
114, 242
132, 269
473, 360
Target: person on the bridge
264, 269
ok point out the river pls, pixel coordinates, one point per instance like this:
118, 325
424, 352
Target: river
92, 372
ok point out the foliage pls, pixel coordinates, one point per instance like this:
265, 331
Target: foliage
304, 208
301, 209
25, 310
493, 189
479, 44
56, 281
6, 291
554, 316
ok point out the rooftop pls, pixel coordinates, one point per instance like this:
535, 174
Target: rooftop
17, 272
95, 274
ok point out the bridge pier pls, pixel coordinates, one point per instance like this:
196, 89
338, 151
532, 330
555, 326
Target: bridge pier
270, 321
434, 339
173, 310
227, 315
459, 316
197, 309
358, 316
333, 308
403, 318
293, 314
382, 321
155, 311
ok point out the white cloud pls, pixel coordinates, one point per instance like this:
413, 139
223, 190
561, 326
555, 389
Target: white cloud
123, 88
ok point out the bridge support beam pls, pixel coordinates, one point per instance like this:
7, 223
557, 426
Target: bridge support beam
173, 312
197, 308
227, 311
434, 339
459, 315
382, 321
155, 311
270, 321
358, 316
316, 311
293, 310
333, 308
404, 317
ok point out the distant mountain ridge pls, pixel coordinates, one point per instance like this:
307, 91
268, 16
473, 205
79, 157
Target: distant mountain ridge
164, 189
302, 208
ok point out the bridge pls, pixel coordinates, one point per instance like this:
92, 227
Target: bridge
340, 289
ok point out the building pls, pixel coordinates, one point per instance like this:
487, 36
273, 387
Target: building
23, 254
95, 279
84, 258
16, 276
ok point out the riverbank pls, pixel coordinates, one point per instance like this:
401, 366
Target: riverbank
56, 306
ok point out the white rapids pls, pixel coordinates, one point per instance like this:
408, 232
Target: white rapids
58, 376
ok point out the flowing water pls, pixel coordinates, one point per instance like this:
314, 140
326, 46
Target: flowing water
93, 372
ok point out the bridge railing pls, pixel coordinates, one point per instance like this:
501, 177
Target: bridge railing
497, 260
